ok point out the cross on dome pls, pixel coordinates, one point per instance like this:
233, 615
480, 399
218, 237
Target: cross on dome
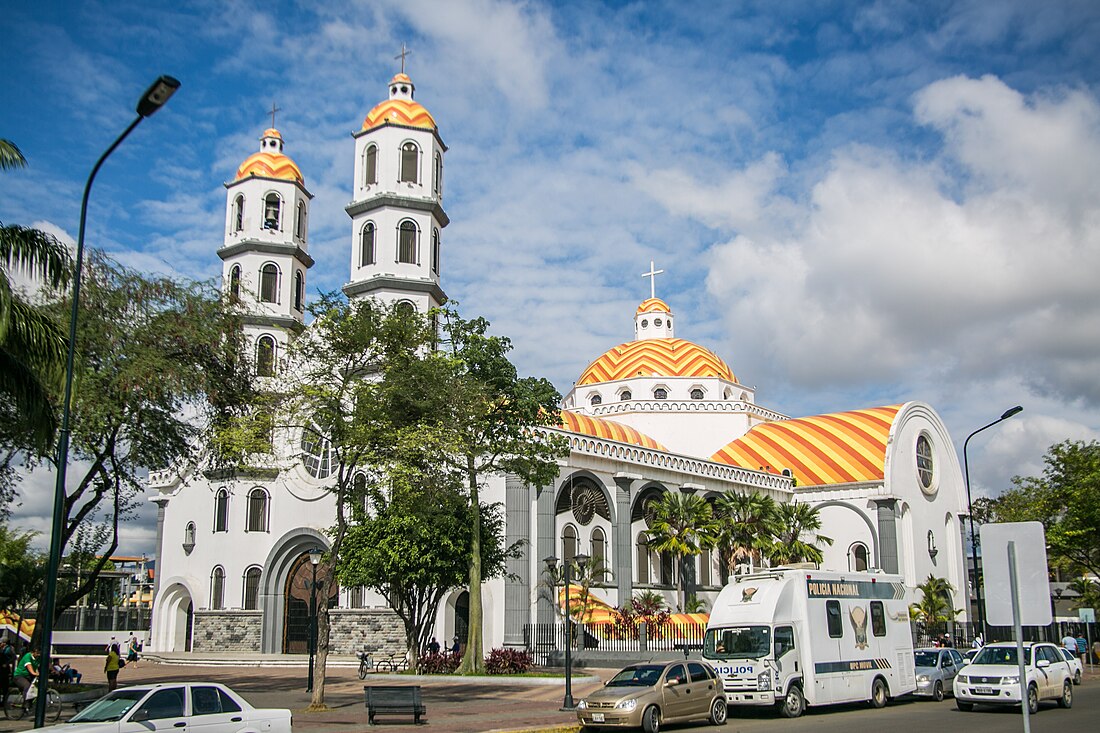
404, 52
274, 109
652, 275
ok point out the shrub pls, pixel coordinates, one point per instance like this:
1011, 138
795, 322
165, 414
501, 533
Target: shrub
442, 663
509, 661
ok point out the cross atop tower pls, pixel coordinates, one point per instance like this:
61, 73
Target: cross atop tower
404, 52
274, 109
652, 275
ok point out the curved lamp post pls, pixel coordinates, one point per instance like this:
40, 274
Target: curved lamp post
314, 560
551, 565
970, 505
153, 99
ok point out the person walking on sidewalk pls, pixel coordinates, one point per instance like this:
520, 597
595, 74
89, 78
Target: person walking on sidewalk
132, 651
111, 667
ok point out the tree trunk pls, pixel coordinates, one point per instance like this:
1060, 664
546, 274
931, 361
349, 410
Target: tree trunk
473, 661
317, 702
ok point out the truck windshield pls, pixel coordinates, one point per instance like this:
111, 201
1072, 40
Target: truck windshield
739, 642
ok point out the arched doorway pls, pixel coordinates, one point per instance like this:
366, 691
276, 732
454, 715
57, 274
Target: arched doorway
189, 624
174, 619
299, 583
462, 616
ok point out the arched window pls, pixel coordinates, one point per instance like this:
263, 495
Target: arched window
272, 211
857, 557
257, 510
269, 283
300, 221
435, 251
599, 545
668, 569
355, 598
625, 395
299, 290
437, 175
217, 588
641, 558
595, 400
406, 242
370, 165
221, 511
252, 588
238, 213
235, 283
660, 393
696, 394
704, 567
366, 247
265, 357
410, 155
189, 537
569, 543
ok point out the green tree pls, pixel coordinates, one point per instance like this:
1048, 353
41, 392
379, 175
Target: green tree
684, 526
156, 364
796, 535
464, 407
22, 570
1088, 591
413, 549
32, 341
935, 604
746, 527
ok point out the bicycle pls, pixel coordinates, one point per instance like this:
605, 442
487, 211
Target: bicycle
393, 663
17, 705
366, 662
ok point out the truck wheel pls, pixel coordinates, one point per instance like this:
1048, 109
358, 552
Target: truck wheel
1032, 699
651, 720
1066, 700
794, 704
937, 692
879, 693
718, 711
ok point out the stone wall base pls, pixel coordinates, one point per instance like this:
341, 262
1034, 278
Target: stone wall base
375, 630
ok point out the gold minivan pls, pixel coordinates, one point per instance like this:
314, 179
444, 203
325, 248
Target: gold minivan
650, 695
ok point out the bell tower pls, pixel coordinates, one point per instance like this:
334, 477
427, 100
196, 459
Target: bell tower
397, 215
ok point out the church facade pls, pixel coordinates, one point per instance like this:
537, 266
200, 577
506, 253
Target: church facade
654, 414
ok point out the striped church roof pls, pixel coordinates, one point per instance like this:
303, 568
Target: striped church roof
650, 305
837, 448
606, 429
404, 112
663, 357
270, 165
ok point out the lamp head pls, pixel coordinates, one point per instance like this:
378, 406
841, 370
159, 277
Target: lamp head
315, 555
581, 558
1012, 411
156, 95
551, 563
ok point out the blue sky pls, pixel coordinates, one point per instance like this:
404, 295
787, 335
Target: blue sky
855, 203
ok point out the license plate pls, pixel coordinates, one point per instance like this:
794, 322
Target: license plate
983, 690
597, 717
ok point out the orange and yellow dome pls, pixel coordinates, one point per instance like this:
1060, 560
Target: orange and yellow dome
838, 448
651, 305
404, 112
663, 357
606, 429
270, 163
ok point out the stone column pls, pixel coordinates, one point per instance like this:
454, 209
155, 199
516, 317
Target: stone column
543, 547
162, 506
887, 535
623, 542
517, 584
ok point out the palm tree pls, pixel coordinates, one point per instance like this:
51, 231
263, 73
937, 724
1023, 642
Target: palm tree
796, 535
746, 526
683, 525
32, 345
935, 603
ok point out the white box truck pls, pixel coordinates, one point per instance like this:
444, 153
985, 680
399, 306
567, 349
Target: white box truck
798, 637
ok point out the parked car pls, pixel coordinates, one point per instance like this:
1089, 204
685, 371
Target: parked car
969, 654
205, 706
650, 695
936, 670
1075, 668
993, 678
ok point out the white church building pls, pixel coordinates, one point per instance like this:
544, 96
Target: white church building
654, 414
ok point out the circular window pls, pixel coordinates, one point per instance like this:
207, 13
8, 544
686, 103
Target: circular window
316, 453
585, 499
404, 90
645, 323
657, 322
926, 468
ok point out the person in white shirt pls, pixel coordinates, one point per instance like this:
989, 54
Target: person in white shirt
1070, 643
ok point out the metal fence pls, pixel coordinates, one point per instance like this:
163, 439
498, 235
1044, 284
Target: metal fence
104, 619
543, 640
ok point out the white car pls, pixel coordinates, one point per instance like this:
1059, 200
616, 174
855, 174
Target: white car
993, 678
202, 707
1075, 668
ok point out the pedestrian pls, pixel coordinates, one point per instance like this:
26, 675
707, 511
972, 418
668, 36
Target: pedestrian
977, 643
455, 646
132, 650
1069, 641
1082, 648
433, 646
111, 667
7, 662
26, 671
947, 642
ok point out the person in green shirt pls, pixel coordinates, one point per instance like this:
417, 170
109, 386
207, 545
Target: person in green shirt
26, 671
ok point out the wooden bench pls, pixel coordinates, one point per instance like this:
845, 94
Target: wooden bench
394, 700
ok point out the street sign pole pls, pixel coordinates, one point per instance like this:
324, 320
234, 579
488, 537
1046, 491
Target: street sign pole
1018, 630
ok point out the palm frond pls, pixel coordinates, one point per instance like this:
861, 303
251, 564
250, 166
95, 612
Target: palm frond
42, 255
10, 156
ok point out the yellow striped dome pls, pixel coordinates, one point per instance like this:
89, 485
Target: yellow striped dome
839, 448
399, 111
606, 429
650, 305
271, 163
663, 357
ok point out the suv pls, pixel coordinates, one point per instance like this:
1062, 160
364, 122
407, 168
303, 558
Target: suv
993, 678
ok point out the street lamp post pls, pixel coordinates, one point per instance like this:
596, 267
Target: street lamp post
551, 564
153, 99
314, 560
970, 505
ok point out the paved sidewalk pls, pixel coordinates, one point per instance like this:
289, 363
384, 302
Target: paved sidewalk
454, 705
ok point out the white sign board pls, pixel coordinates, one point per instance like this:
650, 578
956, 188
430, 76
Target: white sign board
1032, 576
1087, 615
